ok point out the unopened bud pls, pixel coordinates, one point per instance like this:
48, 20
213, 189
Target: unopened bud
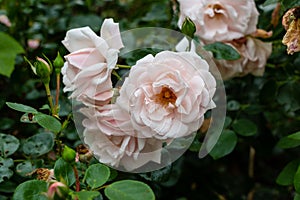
57, 191
58, 63
68, 154
43, 70
188, 27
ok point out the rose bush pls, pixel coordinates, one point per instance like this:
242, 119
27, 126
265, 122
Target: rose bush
168, 95
87, 71
223, 20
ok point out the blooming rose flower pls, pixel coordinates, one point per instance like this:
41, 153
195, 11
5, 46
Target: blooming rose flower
87, 70
111, 137
220, 20
167, 95
254, 54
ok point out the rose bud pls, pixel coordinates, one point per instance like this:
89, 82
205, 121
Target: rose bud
43, 70
188, 27
57, 190
68, 154
58, 63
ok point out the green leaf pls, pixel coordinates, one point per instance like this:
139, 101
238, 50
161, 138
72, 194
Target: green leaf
244, 127
5, 172
286, 176
295, 136
129, 190
227, 122
21, 108
160, 175
269, 2
297, 180
297, 196
8, 186
9, 144
9, 50
222, 51
113, 174
86, 195
196, 145
24, 168
38, 144
63, 171
225, 144
289, 3
33, 190
289, 141
48, 122
96, 175
6, 123
233, 105
289, 96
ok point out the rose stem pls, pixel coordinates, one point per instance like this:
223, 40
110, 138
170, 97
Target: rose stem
57, 91
49, 97
77, 178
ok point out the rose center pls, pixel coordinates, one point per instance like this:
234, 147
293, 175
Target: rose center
216, 8
165, 97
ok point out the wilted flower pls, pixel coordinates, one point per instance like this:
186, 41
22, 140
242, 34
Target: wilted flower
220, 20
112, 139
168, 95
87, 71
254, 54
83, 154
291, 23
44, 174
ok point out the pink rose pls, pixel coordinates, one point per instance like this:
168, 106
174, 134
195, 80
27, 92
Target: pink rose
167, 95
220, 20
33, 43
88, 67
111, 137
4, 20
254, 55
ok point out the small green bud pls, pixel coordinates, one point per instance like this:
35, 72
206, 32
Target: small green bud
188, 27
58, 63
43, 70
68, 154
